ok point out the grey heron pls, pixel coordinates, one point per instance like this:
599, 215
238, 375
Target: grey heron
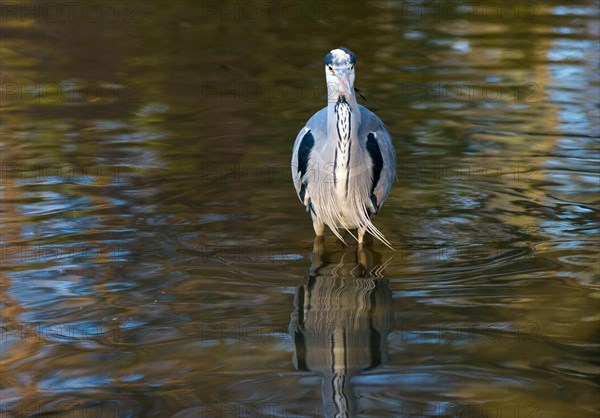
343, 160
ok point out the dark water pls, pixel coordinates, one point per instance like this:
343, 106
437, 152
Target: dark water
157, 262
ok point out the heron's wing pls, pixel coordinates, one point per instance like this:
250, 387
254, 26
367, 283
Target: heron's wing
303, 147
309, 138
382, 155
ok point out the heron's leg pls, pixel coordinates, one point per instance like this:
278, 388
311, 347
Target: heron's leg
318, 249
318, 226
361, 235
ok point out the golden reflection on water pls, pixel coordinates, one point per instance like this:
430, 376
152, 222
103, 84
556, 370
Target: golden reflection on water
148, 216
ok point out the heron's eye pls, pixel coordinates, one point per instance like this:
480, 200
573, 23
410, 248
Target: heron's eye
330, 68
352, 68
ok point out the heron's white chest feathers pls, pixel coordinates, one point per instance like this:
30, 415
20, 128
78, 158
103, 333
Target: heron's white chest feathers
341, 165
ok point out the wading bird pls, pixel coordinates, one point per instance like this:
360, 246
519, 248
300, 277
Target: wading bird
343, 160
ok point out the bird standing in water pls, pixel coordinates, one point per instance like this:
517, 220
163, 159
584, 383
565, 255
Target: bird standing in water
343, 160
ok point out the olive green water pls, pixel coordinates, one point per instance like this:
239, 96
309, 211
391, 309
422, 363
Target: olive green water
157, 262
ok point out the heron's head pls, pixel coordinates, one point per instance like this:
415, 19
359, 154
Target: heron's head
339, 70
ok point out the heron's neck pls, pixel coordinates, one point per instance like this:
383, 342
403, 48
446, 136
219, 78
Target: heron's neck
338, 395
343, 117
334, 97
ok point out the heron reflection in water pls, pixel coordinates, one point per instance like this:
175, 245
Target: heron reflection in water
342, 317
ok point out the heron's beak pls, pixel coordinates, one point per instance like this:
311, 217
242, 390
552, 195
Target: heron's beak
344, 77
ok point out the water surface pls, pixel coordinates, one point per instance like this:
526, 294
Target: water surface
157, 262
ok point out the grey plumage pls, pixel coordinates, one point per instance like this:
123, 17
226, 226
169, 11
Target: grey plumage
343, 160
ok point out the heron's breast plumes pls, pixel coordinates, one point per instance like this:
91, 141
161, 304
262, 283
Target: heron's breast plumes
341, 164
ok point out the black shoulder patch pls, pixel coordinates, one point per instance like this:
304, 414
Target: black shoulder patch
307, 144
302, 192
375, 205
376, 158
